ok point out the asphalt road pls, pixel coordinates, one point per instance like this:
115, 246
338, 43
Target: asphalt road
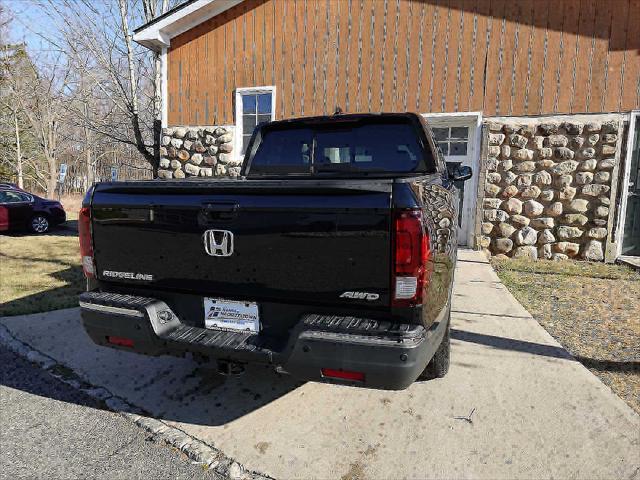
50, 430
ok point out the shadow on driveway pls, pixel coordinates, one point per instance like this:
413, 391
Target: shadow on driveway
545, 350
181, 390
169, 388
65, 296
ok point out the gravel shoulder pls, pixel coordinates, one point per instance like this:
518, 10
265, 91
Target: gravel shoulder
50, 430
591, 309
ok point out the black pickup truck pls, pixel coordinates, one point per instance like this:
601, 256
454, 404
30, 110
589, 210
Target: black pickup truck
331, 258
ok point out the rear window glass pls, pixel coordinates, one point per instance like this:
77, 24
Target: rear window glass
349, 146
284, 150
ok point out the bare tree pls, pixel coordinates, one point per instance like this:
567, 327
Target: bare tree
91, 99
41, 98
5, 20
11, 156
119, 73
21, 144
19, 170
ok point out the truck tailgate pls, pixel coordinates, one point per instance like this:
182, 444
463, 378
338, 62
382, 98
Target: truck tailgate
294, 241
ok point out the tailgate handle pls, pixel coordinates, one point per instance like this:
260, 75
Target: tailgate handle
221, 210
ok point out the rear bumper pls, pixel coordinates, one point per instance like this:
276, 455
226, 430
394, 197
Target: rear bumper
391, 356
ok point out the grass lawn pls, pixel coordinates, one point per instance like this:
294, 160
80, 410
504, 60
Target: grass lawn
39, 272
592, 309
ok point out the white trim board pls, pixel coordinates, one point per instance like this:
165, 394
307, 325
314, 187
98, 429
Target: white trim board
634, 123
164, 86
158, 34
447, 115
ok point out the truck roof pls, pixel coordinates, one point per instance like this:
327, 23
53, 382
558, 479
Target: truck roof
346, 117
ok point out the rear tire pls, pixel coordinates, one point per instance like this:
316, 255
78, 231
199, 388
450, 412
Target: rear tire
39, 224
439, 364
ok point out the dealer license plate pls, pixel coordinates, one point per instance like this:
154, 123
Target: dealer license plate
241, 316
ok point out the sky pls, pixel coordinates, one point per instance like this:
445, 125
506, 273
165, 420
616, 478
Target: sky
29, 23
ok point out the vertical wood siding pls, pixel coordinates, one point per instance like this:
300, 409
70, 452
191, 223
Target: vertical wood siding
503, 57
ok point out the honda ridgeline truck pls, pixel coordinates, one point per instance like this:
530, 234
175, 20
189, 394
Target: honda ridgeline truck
331, 258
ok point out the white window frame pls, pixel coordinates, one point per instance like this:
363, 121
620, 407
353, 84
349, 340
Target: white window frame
238, 111
634, 122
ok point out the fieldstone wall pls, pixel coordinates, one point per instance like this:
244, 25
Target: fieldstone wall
197, 151
547, 189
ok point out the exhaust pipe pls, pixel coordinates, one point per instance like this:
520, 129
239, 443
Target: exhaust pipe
228, 369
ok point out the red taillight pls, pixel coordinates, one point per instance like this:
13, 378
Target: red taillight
411, 252
342, 374
86, 248
120, 341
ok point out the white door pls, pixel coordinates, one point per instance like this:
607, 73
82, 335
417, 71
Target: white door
458, 135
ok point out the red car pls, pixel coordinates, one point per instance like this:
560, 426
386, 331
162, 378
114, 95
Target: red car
20, 210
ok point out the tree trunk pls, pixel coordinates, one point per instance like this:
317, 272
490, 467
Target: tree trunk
90, 175
51, 146
18, 153
157, 124
53, 178
151, 157
87, 140
157, 134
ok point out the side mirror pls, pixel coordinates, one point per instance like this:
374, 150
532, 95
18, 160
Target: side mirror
461, 173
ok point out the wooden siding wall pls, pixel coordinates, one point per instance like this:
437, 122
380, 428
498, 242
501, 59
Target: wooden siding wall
504, 57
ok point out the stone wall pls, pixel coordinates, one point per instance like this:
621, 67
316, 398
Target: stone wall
548, 186
197, 151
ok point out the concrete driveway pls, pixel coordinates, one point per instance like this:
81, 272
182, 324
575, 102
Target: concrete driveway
537, 413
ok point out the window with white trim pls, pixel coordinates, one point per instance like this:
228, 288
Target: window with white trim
253, 107
453, 141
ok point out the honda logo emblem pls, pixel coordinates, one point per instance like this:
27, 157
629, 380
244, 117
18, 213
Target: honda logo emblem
218, 243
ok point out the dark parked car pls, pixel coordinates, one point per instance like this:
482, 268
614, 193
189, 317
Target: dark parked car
331, 258
20, 210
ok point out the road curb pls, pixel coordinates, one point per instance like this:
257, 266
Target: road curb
197, 451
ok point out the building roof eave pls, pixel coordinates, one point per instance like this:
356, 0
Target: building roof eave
157, 34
